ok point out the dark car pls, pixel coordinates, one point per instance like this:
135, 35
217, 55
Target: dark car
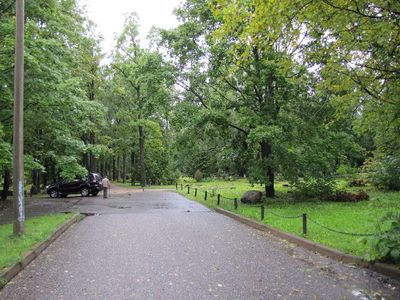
90, 185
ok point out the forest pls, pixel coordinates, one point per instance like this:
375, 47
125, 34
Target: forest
302, 91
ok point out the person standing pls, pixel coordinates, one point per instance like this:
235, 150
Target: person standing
106, 186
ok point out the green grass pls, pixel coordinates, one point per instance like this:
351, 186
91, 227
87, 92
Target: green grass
360, 217
138, 187
37, 229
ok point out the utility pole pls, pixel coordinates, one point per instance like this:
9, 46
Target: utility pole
18, 130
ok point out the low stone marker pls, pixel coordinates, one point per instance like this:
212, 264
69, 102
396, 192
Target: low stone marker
252, 197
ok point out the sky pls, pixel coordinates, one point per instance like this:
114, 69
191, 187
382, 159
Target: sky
109, 16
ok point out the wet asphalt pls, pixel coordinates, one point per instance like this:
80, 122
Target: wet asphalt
159, 245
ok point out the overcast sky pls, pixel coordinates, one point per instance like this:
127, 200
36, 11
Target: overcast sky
109, 16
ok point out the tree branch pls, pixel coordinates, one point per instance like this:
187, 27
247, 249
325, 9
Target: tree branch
126, 77
356, 11
190, 89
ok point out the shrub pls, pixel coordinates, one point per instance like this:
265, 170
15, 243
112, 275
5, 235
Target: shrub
385, 246
345, 196
384, 172
313, 187
346, 171
357, 183
198, 175
186, 179
209, 179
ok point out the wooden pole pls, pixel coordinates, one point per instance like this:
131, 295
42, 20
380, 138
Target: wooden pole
304, 225
18, 121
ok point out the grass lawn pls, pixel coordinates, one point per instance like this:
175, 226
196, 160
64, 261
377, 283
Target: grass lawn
360, 217
138, 187
37, 229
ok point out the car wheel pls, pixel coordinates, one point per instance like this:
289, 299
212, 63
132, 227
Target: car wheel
53, 193
95, 193
85, 191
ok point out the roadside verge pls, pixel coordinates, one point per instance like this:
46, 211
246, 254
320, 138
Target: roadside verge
382, 268
10, 272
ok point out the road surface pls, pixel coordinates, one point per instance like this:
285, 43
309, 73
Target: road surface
159, 245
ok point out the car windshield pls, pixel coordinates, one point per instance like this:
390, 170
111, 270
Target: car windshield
95, 176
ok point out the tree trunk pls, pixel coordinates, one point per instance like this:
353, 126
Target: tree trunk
266, 153
118, 168
141, 154
92, 158
133, 165
109, 167
35, 182
124, 167
6, 185
45, 177
53, 176
100, 163
114, 173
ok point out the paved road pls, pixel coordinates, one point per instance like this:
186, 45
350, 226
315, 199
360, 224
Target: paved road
158, 245
120, 202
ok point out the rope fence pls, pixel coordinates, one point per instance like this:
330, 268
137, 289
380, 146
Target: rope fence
341, 232
286, 217
229, 202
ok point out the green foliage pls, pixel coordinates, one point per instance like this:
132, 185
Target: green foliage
31, 164
357, 182
186, 179
5, 152
345, 196
386, 245
384, 172
138, 97
239, 88
354, 91
159, 166
69, 168
198, 175
3, 282
311, 187
253, 90
347, 171
61, 63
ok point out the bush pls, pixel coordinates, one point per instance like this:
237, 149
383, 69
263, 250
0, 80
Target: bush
313, 187
209, 179
198, 175
344, 196
384, 172
357, 183
386, 245
186, 179
346, 171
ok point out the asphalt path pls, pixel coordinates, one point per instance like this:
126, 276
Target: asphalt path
159, 245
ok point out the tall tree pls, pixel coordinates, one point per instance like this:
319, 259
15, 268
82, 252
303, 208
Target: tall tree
57, 107
147, 80
259, 90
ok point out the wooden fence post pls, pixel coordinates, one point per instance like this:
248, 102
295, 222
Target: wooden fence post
262, 212
304, 225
